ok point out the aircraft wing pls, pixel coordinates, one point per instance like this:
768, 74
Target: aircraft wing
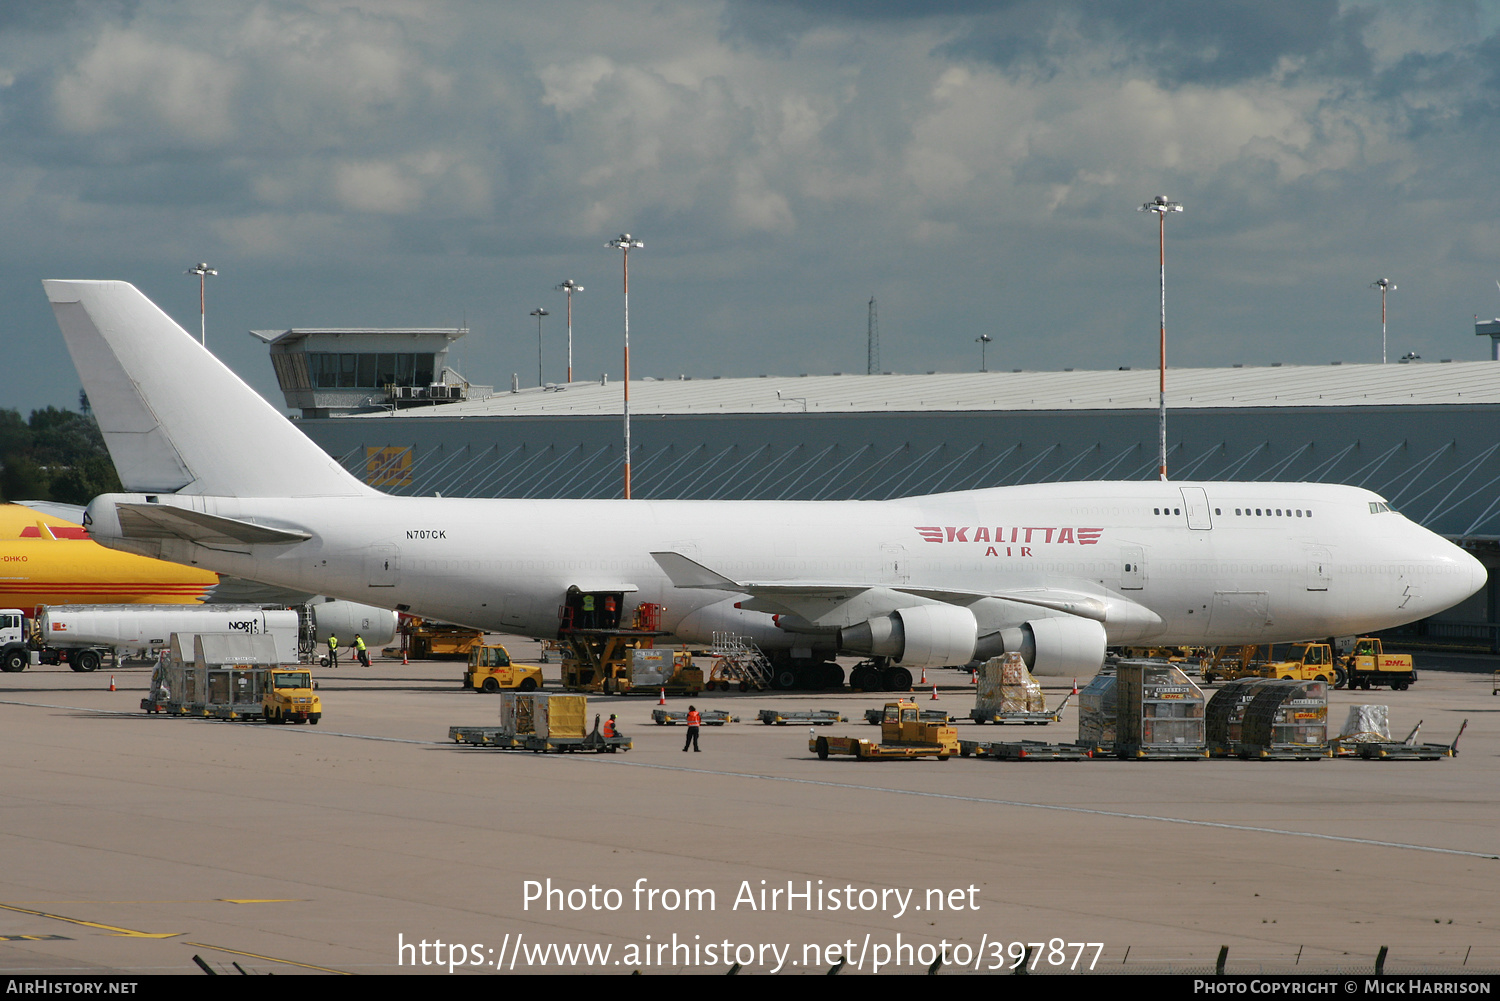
813, 599
160, 521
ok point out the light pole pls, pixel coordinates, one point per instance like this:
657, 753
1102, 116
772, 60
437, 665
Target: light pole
202, 271
1385, 285
983, 341
1161, 206
625, 243
539, 312
570, 286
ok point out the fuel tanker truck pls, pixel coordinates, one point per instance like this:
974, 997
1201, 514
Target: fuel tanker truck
81, 636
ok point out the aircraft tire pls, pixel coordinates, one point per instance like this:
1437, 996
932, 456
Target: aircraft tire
896, 679
783, 678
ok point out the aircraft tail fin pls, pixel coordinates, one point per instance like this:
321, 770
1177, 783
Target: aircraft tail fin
174, 417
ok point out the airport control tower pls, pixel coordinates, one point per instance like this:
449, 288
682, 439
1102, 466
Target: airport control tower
335, 371
1490, 329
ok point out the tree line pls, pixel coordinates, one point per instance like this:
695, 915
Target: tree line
55, 455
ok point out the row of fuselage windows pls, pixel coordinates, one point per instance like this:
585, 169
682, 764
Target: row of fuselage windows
1253, 512
369, 370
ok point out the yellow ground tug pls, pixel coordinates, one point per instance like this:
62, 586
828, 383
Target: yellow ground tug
1305, 662
1369, 664
903, 734
491, 670
289, 697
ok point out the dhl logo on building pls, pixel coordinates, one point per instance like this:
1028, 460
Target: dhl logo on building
388, 466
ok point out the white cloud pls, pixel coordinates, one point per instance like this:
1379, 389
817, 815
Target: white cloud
129, 81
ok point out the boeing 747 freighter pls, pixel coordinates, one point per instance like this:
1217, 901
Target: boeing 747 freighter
218, 479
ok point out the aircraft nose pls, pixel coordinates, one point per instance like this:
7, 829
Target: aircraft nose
1466, 576
1478, 575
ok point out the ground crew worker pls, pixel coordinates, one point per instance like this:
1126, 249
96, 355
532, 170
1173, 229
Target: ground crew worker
609, 727
333, 650
693, 720
588, 611
360, 651
610, 619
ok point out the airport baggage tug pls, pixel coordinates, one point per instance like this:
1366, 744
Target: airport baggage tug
903, 734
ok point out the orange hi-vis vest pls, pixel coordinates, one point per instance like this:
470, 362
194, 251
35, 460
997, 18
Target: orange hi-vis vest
609, 728
693, 717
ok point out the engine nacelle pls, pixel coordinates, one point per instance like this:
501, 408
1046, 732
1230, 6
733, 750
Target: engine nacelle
1057, 647
921, 636
376, 626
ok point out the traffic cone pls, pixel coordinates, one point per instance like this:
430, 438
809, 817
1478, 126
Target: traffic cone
1075, 686
404, 661
934, 694
661, 700
112, 683
973, 677
923, 680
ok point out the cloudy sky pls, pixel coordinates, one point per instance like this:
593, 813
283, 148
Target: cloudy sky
975, 165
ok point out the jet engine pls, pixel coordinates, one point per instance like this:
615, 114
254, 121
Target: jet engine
921, 636
1056, 646
377, 626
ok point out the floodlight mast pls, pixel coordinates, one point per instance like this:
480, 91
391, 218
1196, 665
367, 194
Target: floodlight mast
1161, 206
625, 243
1385, 285
983, 341
570, 286
202, 271
539, 312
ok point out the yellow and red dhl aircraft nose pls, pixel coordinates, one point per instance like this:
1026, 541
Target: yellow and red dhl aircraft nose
46, 560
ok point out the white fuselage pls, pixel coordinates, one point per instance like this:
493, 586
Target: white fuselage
1172, 563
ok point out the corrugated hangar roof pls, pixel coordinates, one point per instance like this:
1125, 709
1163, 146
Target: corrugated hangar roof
1476, 382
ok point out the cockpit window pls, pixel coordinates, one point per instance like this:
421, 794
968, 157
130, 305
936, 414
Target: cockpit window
1376, 507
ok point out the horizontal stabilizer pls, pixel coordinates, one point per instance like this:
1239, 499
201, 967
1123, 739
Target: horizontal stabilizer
158, 521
